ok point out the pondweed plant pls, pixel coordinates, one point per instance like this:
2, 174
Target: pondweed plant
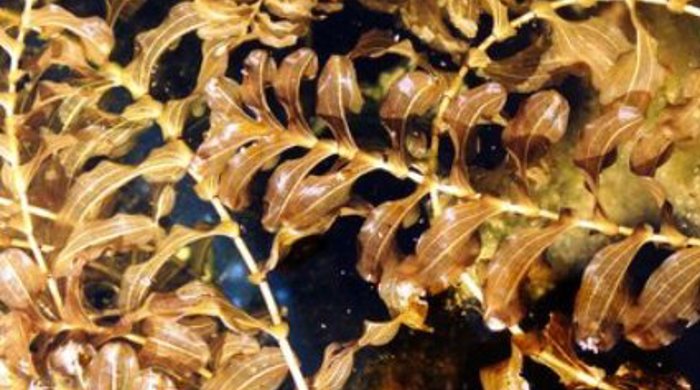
589, 178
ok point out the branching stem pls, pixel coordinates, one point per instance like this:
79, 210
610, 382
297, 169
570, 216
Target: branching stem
18, 181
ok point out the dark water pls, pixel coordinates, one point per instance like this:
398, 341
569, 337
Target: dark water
317, 284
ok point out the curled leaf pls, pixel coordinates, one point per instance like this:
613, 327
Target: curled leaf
336, 368
320, 197
300, 65
138, 278
595, 42
378, 234
651, 149
182, 19
21, 279
667, 303
195, 298
637, 75
447, 247
284, 183
603, 135
540, 121
601, 300
463, 113
338, 92
120, 230
94, 33
414, 94
174, 346
166, 164
239, 172
508, 270
114, 368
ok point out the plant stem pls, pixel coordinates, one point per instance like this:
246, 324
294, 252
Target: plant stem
18, 180
259, 278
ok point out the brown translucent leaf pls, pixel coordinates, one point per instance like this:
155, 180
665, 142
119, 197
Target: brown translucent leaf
637, 74
100, 139
377, 43
222, 144
120, 9
336, 368
595, 42
540, 122
414, 94
196, 298
379, 333
338, 92
115, 367
505, 375
319, 197
603, 295
163, 165
94, 33
206, 327
118, 231
446, 248
21, 279
668, 302
285, 182
17, 331
151, 379
230, 346
139, 278
294, 69
509, 267
173, 346
526, 71
259, 71
264, 370
226, 19
182, 19
463, 113
650, 151
603, 135
378, 234
424, 19
240, 170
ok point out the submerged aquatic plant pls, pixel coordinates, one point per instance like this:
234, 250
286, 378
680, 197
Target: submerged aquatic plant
99, 293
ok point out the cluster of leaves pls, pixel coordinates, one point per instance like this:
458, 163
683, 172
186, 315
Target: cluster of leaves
65, 234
